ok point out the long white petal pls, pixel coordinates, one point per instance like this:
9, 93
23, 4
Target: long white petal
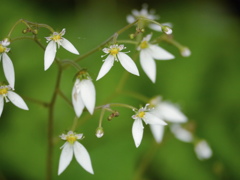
155, 27
137, 131
65, 157
88, 94
108, 63
128, 63
148, 65
159, 53
69, 46
1, 105
170, 112
82, 157
8, 70
152, 119
181, 134
130, 19
77, 102
17, 100
157, 131
49, 54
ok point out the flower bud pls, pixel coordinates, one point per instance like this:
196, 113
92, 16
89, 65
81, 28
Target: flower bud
99, 132
167, 30
132, 36
185, 52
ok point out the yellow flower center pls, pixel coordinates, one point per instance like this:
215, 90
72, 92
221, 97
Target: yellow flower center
3, 91
56, 37
141, 114
114, 51
71, 138
144, 45
2, 49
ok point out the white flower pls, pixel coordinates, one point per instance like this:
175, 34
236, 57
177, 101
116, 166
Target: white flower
83, 94
7, 94
144, 13
72, 146
203, 150
149, 52
166, 111
55, 40
137, 128
7, 63
114, 54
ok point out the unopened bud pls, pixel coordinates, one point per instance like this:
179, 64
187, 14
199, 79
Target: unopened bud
24, 31
185, 52
167, 30
99, 132
132, 36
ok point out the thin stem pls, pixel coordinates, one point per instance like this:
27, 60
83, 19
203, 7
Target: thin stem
50, 126
65, 97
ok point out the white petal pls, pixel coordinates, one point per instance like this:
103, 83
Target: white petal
108, 63
137, 131
148, 65
159, 53
65, 157
68, 46
49, 54
155, 27
17, 100
88, 94
170, 113
128, 63
130, 19
180, 133
82, 157
152, 119
1, 104
77, 102
157, 131
8, 70
202, 150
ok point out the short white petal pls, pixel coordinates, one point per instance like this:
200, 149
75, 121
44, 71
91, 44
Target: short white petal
181, 134
65, 157
171, 113
88, 94
148, 65
8, 70
202, 150
49, 54
82, 157
155, 27
69, 46
108, 63
152, 119
1, 104
159, 53
128, 63
17, 100
130, 19
78, 105
137, 131
157, 131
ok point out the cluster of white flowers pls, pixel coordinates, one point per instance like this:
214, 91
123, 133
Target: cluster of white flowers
156, 113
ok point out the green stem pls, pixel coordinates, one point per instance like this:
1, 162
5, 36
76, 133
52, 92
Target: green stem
50, 127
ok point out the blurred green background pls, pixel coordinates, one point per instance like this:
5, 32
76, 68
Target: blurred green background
206, 85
